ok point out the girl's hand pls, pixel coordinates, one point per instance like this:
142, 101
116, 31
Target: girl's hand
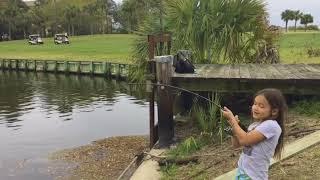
227, 113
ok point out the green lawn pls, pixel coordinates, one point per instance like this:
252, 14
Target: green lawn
111, 48
293, 47
117, 47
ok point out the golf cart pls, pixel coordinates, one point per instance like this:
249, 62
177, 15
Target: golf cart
35, 39
61, 39
4, 37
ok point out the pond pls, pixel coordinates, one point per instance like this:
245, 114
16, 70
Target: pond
42, 113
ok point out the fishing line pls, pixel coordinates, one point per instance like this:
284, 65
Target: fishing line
181, 89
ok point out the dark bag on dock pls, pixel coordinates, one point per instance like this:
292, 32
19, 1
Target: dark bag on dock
182, 63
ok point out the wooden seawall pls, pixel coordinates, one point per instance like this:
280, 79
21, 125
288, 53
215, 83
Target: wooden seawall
78, 67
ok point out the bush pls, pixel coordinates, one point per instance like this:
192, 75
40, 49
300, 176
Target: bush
310, 27
313, 52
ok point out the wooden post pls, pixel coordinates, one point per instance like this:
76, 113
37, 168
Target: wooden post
2, 64
17, 64
79, 67
55, 66
66, 67
109, 70
151, 40
9, 64
35, 65
25, 65
118, 73
151, 91
151, 70
45, 66
104, 68
165, 100
91, 68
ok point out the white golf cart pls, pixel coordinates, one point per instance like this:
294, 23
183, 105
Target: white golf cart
61, 39
35, 39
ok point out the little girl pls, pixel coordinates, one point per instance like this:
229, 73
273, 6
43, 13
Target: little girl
264, 138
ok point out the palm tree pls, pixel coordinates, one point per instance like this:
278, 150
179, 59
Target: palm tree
71, 12
214, 30
218, 30
296, 16
306, 19
286, 16
90, 11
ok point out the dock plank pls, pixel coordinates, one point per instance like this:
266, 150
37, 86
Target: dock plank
295, 69
274, 72
234, 71
244, 71
286, 73
256, 72
217, 71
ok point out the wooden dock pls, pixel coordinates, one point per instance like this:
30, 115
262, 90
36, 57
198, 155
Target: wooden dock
290, 78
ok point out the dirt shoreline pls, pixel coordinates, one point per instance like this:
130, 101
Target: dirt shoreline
103, 159
107, 158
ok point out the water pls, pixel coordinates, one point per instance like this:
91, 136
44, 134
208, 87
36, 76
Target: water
42, 113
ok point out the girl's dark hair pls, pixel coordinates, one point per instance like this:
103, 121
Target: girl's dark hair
276, 100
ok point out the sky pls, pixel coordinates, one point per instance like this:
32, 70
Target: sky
275, 7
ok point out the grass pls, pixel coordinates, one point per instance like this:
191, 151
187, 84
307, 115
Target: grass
307, 107
116, 48
111, 48
294, 45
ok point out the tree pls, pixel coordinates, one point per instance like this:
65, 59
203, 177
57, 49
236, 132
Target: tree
107, 9
286, 16
11, 13
218, 30
306, 19
39, 18
71, 12
90, 12
296, 16
133, 13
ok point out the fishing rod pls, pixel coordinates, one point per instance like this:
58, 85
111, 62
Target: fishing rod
181, 89
228, 129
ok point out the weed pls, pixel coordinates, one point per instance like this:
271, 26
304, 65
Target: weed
309, 108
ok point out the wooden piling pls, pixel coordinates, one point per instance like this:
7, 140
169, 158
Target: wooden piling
153, 132
165, 101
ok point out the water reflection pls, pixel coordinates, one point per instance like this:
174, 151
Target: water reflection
42, 113
58, 93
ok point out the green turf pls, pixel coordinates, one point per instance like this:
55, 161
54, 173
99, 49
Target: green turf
111, 48
293, 47
116, 48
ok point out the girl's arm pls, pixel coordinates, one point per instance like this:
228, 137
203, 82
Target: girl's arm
244, 138
234, 140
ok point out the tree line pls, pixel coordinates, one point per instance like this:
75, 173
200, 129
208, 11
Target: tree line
296, 15
76, 17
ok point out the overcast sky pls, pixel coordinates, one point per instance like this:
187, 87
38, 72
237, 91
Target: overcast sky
275, 7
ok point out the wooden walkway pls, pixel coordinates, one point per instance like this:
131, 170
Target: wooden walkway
290, 78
